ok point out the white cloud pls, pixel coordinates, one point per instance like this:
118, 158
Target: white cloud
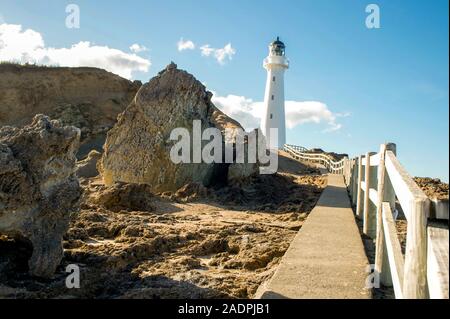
16, 44
249, 113
244, 110
206, 50
298, 113
136, 48
220, 55
27, 46
185, 45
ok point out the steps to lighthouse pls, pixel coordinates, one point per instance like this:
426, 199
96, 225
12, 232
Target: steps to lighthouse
326, 259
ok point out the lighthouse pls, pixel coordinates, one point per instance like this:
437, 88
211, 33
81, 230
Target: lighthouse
274, 115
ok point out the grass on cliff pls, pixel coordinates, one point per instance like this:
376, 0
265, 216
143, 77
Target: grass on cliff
29, 65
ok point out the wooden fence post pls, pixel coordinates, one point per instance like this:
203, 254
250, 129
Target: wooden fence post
349, 176
366, 194
380, 244
359, 198
369, 220
386, 193
389, 192
350, 179
389, 196
347, 169
355, 181
415, 274
344, 172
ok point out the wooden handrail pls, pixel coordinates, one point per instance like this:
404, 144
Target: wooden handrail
407, 274
330, 164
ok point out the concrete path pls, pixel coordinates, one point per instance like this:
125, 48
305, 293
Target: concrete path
326, 259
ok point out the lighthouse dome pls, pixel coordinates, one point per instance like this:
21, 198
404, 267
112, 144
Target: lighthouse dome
277, 47
277, 43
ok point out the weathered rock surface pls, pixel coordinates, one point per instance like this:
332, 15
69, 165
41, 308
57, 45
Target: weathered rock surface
128, 197
434, 188
88, 167
190, 192
137, 149
88, 98
38, 187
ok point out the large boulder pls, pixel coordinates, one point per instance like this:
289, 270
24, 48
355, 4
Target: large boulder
88, 98
38, 187
137, 149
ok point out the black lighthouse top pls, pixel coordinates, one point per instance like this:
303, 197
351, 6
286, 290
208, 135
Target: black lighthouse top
277, 47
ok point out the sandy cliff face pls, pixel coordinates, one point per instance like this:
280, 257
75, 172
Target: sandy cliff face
88, 98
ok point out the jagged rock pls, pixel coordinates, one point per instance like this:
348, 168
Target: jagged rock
38, 187
129, 197
190, 192
137, 149
88, 167
88, 98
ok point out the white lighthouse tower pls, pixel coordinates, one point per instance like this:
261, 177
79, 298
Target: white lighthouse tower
274, 115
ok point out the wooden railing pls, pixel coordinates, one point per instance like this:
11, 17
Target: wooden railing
301, 153
378, 184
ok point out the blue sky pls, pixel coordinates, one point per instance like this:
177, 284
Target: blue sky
379, 85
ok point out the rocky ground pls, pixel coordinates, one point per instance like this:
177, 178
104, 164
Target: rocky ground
434, 188
194, 243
